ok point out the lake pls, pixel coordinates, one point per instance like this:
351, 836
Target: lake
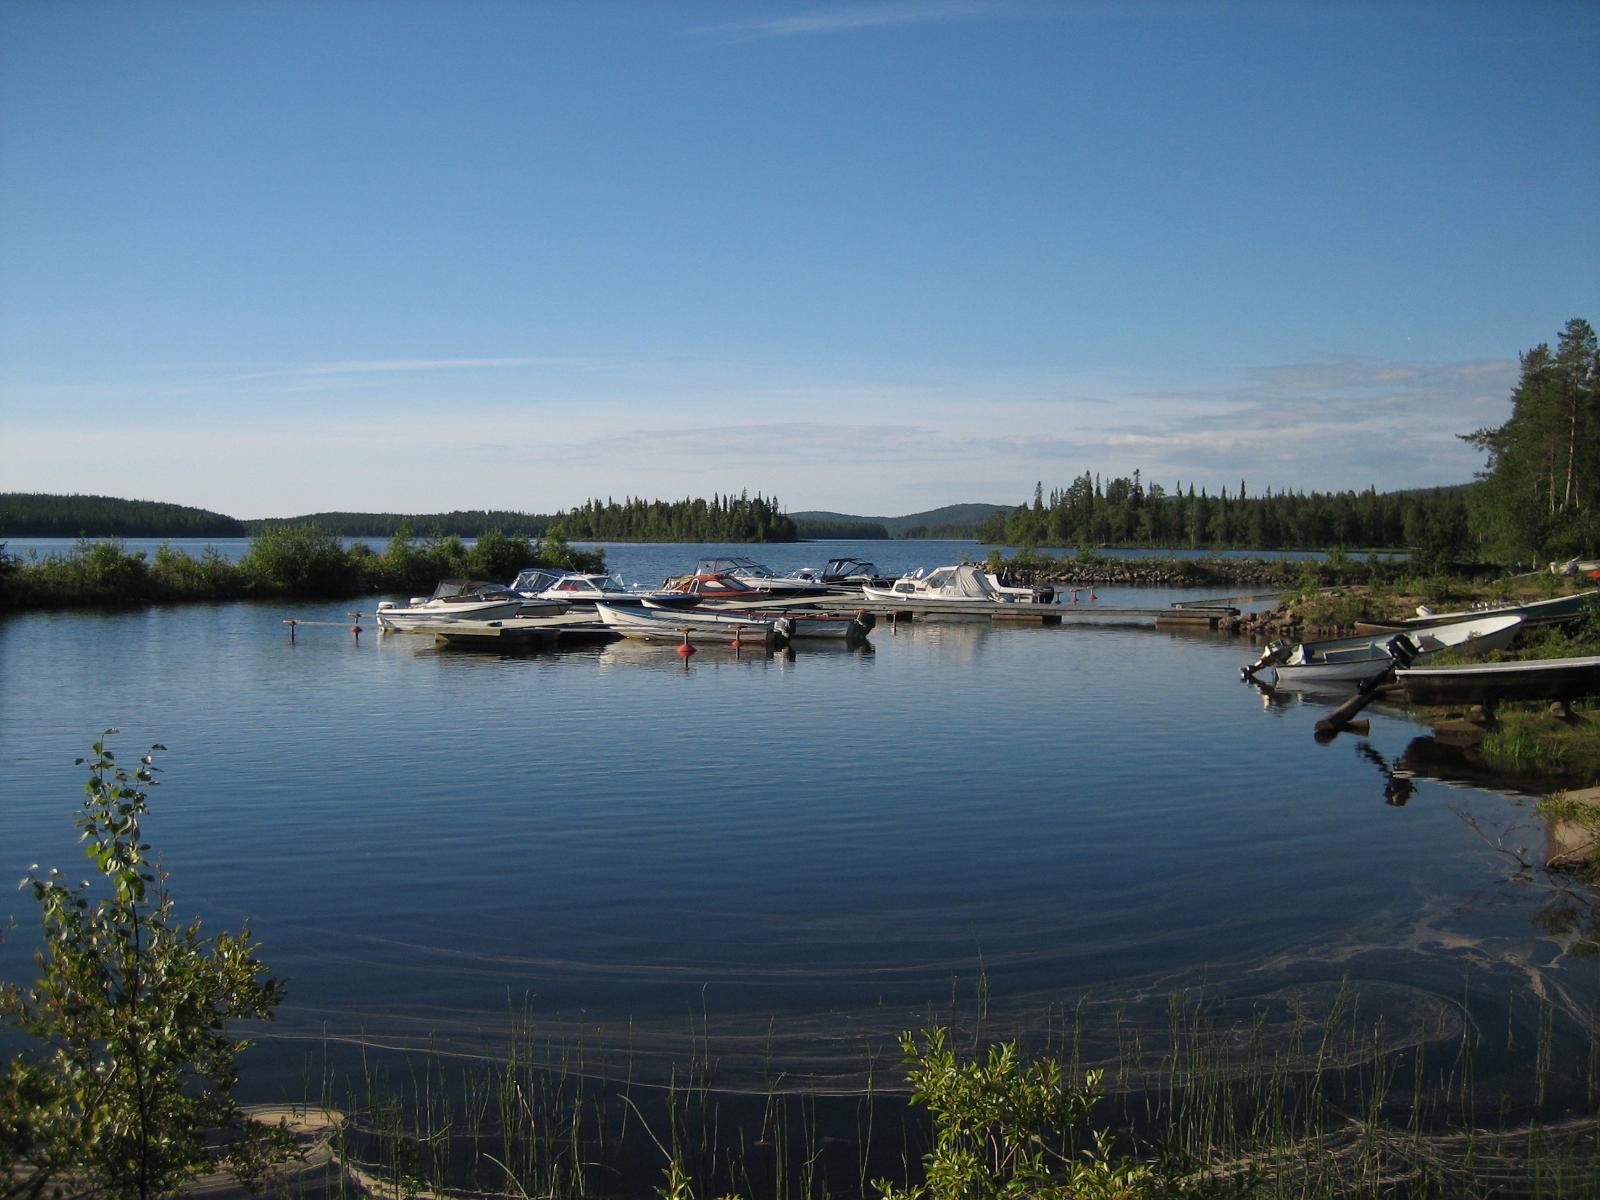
793, 858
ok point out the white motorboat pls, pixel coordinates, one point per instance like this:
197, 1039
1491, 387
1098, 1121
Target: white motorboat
1022, 595
763, 578
963, 583
462, 600
693, 625
1338, 662
799, 623
583, 590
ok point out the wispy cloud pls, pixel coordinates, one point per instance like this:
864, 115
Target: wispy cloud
391, 366
850, 19
792, 443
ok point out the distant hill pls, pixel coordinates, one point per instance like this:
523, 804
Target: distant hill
37, 514
951, 521
462, 523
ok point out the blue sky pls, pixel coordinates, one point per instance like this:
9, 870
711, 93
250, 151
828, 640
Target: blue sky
275, 257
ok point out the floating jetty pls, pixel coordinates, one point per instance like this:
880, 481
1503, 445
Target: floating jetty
1051, 614
549, 633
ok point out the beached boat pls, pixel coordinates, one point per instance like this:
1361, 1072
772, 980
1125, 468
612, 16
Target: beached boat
463, 600
583, 590
1482, 683
1534, 612
962, 583
1338, 662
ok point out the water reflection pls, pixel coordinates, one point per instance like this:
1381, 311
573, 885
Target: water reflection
1398, 784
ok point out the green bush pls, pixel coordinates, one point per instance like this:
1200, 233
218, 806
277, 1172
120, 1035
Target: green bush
498, 557
126, 1086
299, 560
179, 576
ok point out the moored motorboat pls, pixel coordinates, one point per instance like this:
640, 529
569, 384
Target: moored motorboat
721, 625
852, 573
462, 600
692, 625
716, 586
1342, 661
799, 623
583, 590
1043, 594
962, 583
761, 578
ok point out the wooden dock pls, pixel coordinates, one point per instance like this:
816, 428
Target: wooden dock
549, 633
1053, 614
1191, 615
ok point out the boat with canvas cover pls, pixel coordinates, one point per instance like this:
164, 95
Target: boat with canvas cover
963, 583
463, 600
1338, 662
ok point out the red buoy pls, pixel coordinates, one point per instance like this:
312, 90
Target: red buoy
686, 649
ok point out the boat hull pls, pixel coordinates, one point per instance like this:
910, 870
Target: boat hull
1529, 679
1342, 661
797, 624
421, 616
693, 625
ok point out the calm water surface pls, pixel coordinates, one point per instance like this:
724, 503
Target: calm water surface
805, 855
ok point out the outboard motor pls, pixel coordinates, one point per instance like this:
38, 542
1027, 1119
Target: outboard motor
1402, 650
863, 624
783, 632
1272, 652
1044, 594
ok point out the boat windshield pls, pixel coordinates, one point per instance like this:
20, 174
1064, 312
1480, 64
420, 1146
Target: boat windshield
467, 589
732, 566
536, 579
848, 568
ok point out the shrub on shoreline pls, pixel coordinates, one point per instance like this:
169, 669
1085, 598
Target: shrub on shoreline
301, 561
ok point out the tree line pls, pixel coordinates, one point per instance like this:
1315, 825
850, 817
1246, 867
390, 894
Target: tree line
741, 518
466, 523
1125, 511
33, 514
1537, 499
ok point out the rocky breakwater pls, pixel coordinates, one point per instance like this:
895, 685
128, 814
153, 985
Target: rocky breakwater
1281, 623
1152, 572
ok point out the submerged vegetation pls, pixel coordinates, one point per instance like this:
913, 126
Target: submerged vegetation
292, 561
